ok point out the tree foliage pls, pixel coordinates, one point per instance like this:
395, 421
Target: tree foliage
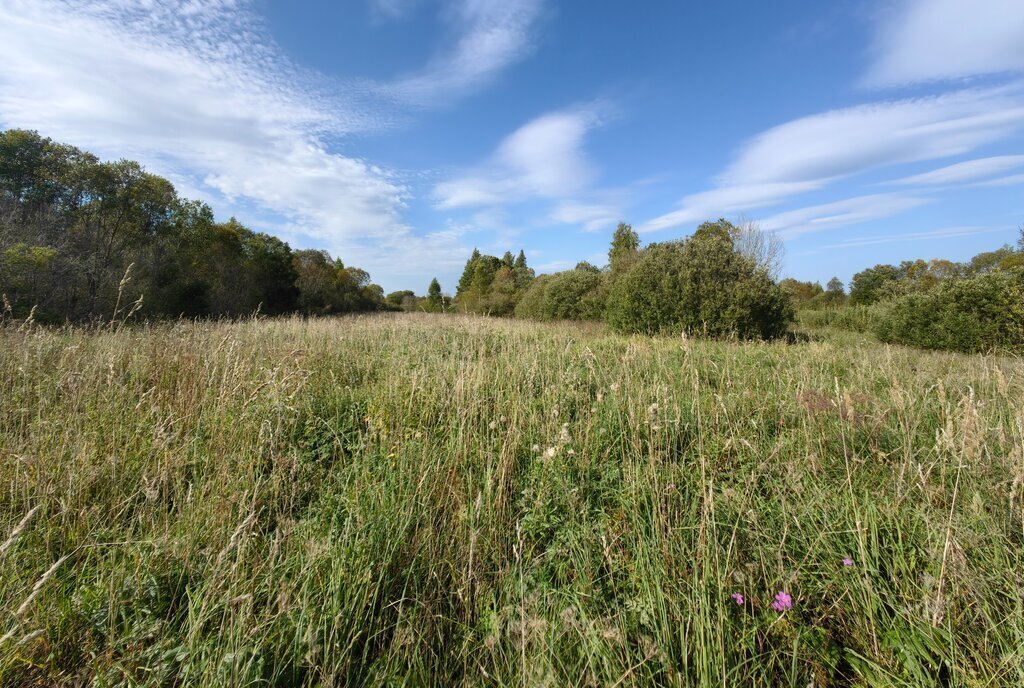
492, 286
984, 312
570, 295
72, 228
700, 285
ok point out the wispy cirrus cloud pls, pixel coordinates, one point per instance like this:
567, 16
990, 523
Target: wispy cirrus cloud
810, 153
1011, 180
943, 233
849, 211
966, 171
488, 36
935, 40
591, 217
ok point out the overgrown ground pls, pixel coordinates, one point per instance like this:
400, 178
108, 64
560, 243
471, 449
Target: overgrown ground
409, 500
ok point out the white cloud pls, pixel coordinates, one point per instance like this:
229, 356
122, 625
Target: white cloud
543, 158
794, 223
1012, 180
944, 233
489, 35
965, 171
591, 217
929, 40
812, 152
726, 201
842, 142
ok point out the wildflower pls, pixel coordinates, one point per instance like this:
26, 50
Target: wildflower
550, 452
492, 425
847, 561
782, 601
671, 486
571, 452
615, 386
652, 409
535, 449
563, 435
600, 396
738, 598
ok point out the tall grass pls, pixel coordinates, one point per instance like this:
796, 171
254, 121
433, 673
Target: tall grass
854, 317
425, 500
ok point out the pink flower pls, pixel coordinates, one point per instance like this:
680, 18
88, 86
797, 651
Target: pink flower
847, 561
782, 601
671, 486
737, 598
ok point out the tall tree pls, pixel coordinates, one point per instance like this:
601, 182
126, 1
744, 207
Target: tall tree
624, 249
435, 301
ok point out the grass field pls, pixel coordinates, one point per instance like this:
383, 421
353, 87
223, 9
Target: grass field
432, 500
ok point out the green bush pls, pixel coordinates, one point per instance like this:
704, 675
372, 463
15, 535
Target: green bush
982, 313
570, 295
701, 285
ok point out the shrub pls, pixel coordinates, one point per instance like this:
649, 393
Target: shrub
982, 313
571, 295
702, 285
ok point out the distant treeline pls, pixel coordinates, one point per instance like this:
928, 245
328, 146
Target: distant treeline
82, 240
972, 306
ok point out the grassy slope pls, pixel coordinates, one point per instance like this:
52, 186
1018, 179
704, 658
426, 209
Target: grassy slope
443, 501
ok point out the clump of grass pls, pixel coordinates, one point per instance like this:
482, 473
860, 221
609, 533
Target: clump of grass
462, 501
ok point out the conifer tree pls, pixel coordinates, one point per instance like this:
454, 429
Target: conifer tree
435, 302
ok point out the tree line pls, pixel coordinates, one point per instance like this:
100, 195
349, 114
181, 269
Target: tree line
82, 239
971, 306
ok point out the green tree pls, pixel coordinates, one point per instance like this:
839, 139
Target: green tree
702, 286
624, 249
835, 291
873, 284
435, 301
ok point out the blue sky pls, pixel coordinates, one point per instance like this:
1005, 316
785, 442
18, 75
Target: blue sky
399, 134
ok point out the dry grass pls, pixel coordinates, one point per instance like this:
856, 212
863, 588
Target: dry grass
453, 501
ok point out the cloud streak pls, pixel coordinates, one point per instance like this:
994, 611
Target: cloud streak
934, 40
490, 35
810, 153
850, 211
966, 171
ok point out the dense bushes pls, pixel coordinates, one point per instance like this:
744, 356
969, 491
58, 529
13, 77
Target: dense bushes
701, 285
974, 306
571, 295
975, 314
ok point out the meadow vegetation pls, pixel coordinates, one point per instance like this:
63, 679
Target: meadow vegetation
454, 500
